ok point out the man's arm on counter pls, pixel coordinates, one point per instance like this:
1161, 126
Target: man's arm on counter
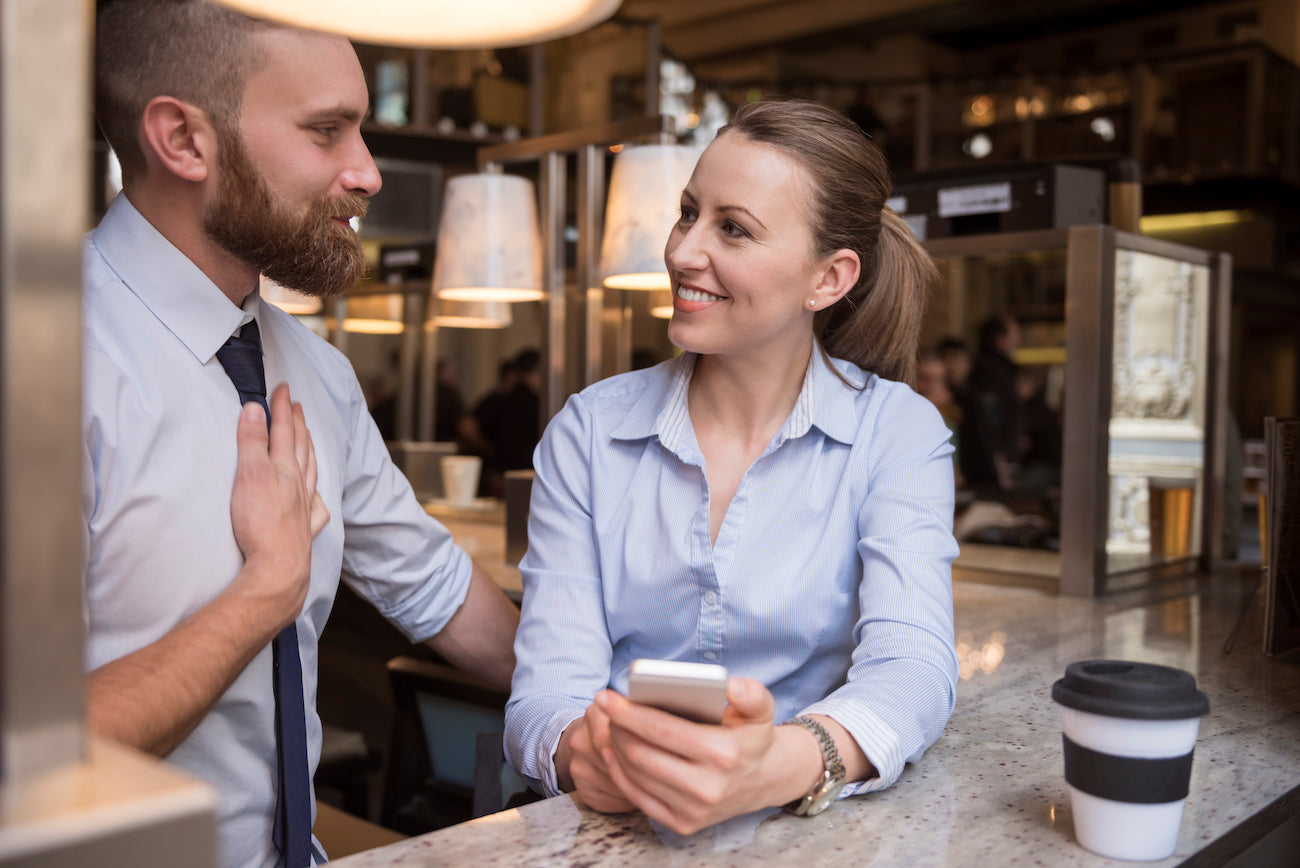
479, 638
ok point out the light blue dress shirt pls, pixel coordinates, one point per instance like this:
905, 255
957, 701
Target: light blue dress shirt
830, 580
158, 422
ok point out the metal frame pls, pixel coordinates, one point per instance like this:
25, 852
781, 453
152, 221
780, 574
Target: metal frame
1089, 348
1090, 304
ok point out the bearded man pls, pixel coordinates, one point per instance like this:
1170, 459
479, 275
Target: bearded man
213, 546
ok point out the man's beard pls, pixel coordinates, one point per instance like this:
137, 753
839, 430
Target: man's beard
310, 254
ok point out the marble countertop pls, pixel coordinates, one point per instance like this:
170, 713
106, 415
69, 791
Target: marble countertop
990, 791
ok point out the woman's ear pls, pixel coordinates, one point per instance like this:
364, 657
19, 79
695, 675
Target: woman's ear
841, 275
178, 137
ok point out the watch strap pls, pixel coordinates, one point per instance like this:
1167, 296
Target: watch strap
833, 773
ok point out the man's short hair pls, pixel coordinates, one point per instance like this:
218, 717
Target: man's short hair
195, 51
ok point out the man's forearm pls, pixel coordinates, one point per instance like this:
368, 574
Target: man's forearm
153, 698
479, 638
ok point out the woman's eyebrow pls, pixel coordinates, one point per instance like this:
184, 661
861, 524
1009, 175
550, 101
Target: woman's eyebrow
725, 209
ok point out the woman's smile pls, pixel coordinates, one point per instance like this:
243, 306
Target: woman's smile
688, 299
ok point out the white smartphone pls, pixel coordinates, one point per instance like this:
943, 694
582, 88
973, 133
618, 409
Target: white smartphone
695, 691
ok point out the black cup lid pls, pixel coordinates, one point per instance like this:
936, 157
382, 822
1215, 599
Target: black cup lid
1123, 688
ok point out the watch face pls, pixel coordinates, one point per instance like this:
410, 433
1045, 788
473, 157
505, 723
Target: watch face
825, 797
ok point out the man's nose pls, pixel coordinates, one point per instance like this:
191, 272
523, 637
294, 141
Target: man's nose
361, 175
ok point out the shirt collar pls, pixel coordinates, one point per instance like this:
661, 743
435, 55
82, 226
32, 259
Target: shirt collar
822, 403
662, 412
181, 296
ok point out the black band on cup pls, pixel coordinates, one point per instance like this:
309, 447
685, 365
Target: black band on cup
1127, 779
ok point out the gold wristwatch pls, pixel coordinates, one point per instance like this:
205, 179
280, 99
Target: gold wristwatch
828, 786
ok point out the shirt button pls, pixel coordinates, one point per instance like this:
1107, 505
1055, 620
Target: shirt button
709, 655
710, 598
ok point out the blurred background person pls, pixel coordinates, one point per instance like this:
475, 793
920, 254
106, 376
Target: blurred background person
991, 426
932, 383
509, 419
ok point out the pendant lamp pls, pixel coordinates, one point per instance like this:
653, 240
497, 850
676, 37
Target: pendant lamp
488, 245
374, 314
471, 315
288, 300
446, 24
644, 202
661, 306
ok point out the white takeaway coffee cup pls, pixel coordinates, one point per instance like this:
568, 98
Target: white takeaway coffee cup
1129, 730
460, 478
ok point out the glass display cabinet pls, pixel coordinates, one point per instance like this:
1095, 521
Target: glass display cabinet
1130, 337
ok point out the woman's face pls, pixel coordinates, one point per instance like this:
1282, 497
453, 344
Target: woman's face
740, 256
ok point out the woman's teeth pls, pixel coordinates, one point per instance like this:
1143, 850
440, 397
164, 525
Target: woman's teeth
694, 295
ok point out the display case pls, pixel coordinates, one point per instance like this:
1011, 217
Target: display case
1140, 382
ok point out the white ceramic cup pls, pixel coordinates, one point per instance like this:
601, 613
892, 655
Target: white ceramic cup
1130, 729
460, 478
1127, 830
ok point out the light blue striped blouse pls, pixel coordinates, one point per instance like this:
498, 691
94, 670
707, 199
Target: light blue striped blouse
830, 581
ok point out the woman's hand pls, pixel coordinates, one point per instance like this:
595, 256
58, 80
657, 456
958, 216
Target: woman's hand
689, 775
580, 767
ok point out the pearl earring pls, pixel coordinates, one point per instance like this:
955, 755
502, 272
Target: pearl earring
812, 302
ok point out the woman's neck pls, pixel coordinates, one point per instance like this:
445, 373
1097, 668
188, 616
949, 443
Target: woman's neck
748, 398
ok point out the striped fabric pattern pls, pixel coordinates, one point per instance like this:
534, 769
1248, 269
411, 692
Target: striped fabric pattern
830, 580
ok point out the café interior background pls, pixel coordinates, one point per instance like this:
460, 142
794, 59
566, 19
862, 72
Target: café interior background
1204, 96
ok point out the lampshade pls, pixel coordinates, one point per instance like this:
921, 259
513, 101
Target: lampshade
437, 23
374, 314
644, 201
288, 300
471, 314
661, 305
488, 246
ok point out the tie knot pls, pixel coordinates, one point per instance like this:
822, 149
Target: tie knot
242, 359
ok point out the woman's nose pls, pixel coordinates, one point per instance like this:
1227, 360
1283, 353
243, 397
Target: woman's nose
684, 251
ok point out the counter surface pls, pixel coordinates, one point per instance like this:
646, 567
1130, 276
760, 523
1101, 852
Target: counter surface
482, 533
990, 791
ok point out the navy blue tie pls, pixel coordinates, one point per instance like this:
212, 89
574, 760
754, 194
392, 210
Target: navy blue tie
242, 358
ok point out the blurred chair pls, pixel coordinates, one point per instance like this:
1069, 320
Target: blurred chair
446, 763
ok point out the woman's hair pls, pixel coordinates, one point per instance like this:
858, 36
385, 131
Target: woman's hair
193, 50
877, 324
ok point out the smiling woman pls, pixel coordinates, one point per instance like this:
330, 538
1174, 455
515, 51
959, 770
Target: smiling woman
773, 501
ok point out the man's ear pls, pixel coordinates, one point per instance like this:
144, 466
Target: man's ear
841, 274
180, 137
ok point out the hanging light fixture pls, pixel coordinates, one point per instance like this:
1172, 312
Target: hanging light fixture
288, 300
644, 199
437, 23
488, 245
470, 315
374, 314
661, 306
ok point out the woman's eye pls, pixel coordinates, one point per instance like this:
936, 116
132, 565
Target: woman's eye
686, 214
731, 230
